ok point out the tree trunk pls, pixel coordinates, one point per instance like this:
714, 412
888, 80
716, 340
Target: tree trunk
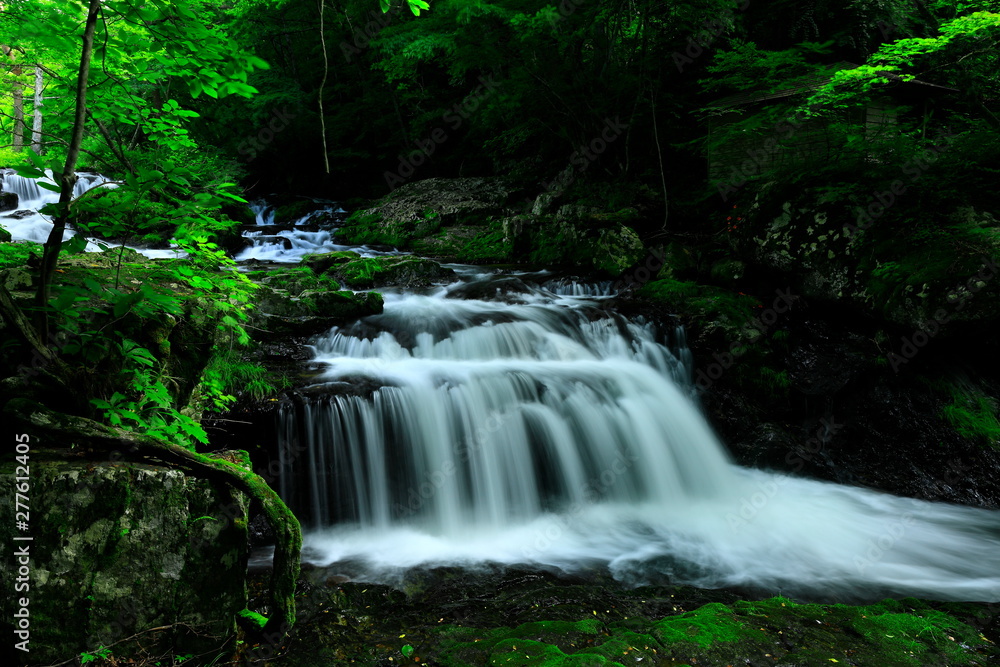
322, 84
36, 125
67, 179
18, 139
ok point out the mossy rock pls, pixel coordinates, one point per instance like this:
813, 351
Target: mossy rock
391, 271
310, 313
121, 548
5, 236
593, 244
323, 262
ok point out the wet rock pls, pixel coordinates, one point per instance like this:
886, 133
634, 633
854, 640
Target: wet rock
281, 315
8, 202
19, 215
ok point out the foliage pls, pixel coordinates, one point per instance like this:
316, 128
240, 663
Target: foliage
973, 413
228, 374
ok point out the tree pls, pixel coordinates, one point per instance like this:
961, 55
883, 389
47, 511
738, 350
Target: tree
146, 55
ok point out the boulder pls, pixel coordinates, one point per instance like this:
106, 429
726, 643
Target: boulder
118, 549
8, 201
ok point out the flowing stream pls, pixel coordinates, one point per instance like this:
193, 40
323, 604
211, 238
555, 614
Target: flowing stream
516, 419
506, 419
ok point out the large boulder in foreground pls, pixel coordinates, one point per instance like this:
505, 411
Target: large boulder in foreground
116, 550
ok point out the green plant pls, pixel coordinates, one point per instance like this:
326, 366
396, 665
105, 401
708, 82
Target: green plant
228, 373
147, 406
100, 654
972, 413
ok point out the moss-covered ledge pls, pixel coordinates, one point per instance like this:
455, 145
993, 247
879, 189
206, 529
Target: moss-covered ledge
121, 548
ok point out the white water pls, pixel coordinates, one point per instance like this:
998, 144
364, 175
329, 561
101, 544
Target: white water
291, 245
28, 223
540, 430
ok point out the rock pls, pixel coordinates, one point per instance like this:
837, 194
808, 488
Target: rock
826, 256
15, 279
19, 215
398, 271
5, 236
322, 262
448, 198
8, 201
119, 548
280, 314
544, 203
420, 209
593, 244
451, 616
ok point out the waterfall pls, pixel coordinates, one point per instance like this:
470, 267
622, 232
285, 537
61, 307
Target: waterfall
26, 223
541, 429
289, 243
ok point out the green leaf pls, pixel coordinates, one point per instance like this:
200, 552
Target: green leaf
75, 245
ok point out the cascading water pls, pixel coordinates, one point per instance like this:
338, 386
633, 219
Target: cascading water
26, 223
536, 428
311, 233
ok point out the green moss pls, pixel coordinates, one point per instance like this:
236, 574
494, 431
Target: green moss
528, 653
892, 633
293, 211
708, 625
704, 301
253, 618
368, 228
17, 254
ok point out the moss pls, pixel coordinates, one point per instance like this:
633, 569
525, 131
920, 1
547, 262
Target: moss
295, 210
971, 412
370, 228
708, 625
366, 272
891, 633
17, 254
469, 244
733, 311
253, 619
